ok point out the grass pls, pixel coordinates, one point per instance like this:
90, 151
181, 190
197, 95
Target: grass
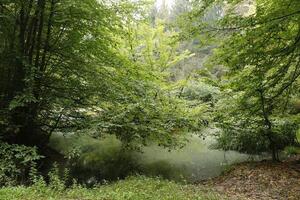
292, 150
133, 188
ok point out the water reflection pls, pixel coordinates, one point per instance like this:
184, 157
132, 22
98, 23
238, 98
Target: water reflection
105, 158
196, 161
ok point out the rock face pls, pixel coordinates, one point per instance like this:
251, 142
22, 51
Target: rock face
246, 8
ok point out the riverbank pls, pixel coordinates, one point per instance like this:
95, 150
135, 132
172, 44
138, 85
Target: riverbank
263, 180
132, 188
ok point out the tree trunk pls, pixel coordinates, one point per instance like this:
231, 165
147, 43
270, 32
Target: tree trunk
25, 63
268, 125
274, 150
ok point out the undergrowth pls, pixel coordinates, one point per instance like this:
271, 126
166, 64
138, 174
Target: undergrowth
133, 188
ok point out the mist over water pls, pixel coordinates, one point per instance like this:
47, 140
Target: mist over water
196, 161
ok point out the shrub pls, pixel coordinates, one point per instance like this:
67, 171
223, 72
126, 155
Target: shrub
16, 162
291, 150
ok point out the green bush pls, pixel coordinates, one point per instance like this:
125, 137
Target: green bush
292, 150
16, 162
250, 138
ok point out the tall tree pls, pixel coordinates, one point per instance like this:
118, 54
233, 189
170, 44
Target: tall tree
155, 113
53, 58
71, 66
260, 46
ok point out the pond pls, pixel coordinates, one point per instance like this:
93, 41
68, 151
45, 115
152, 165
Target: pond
196, 161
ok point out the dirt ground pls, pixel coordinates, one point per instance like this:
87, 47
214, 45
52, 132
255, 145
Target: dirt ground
263, 180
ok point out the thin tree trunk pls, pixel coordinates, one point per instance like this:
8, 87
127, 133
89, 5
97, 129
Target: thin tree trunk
41, 7
268, 124
32, 34
47, 41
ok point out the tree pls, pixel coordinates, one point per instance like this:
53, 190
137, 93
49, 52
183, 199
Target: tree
260, 47
155, 113
54, 59
85, 66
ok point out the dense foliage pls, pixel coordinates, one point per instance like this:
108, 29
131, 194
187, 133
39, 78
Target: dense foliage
258, 42
156, 113
16, 163
139, 72
70, 66
54, 58
89, 67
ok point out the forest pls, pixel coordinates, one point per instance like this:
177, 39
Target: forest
149, 99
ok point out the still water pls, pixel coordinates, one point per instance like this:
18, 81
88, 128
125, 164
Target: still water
196, 161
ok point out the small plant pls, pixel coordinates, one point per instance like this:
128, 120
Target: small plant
291, 150
298, 136
56, 182
17, 164
226, 169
